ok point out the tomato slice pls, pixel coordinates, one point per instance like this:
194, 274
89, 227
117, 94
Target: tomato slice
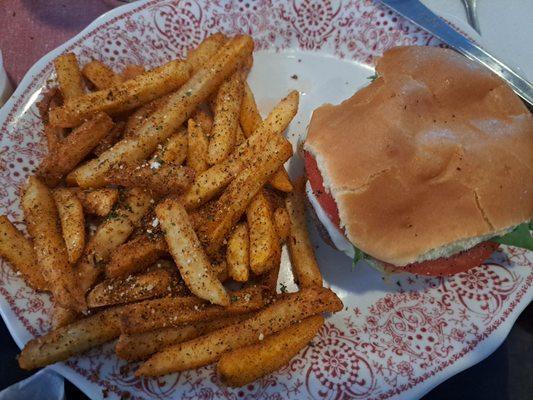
325, 199
459, 262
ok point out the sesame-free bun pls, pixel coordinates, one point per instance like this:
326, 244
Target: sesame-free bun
435, 154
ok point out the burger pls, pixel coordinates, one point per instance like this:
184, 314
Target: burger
428, 169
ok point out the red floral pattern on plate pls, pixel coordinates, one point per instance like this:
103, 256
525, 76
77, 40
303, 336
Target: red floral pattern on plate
382, 345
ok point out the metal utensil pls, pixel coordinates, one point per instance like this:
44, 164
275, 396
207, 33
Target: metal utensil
422, 16
471, 14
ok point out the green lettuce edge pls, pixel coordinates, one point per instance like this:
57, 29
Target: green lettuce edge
519, 237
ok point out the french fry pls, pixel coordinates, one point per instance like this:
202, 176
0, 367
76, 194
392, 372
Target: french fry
304, 264
75, 338
281, 181
249, 116
54, 137
283, 223
42, 222
226, 119
132, 71
239, 136
140, 346
72, 222
265, 250
69, 76
124, 96
176, 311
174, 150
204, 118
135, 255
197, 147
250, 119
155, 283
74, 148
161, 179
208, 348
162, 123
220, 268
202, 54
194, 266
98, 202
111, 233
242, 366
62, 316
110, 139
18, 251
139, 116
238, 253
211, 182
100, 75
233, 202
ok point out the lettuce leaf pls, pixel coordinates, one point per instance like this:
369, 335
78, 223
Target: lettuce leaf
358, 256
520, 237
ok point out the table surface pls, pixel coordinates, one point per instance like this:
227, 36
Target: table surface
31, 28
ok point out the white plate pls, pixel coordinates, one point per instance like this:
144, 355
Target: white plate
396, 338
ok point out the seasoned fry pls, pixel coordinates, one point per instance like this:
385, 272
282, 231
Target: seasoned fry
98, 202
233, 202
18, 251
206, 349
226, 119
197, 148
140, 115
124, 96
304, 264
204, 118
265, 250
281, 181
100, 75
240, 138
72, 221
283, 223
42, 222
174, 150
160, 178
162, 123
62, 316
54, 136
110, 139
195, 268
250, 119
249, 115
140, 346
242, 366
201, 55
71, 339
68, 76
74, 148
209, 183
111, 233
132, 71
238, 254
144, 286
176, 311
135, 255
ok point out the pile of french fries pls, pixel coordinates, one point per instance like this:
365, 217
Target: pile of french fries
162, 189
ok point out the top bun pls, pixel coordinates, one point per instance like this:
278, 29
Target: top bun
435, 152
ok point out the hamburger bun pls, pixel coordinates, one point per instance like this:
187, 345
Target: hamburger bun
433, 157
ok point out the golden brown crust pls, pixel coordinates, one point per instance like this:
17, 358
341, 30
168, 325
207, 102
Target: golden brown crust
436, 150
